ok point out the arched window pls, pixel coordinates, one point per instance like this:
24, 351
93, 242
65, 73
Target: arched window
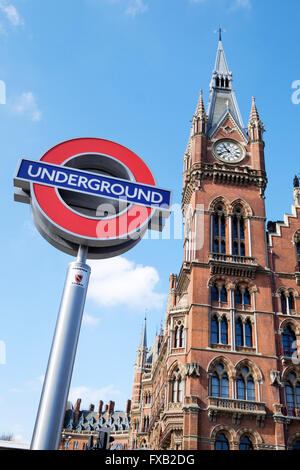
248, 334
215, 293
291, 301
178, 336
224, 331
283, 303
245, 385
242, 296
219, 230
246, 444
181, 337
218, 293
177, 387
292, 395
219, 330
221, 442
238, 232
215, 330
289, 342
238, 296
239, 336
220, 382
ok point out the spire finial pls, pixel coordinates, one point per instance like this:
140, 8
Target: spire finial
220, 31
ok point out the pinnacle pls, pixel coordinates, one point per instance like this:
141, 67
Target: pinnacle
200, 110
254, 115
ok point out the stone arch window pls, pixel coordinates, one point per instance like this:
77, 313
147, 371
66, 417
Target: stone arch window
146, 422
242, 296
289, 343
179, 335
219, 229
246, 443
219, 293
219, 386
287, 300
238, 232
177, 387
219, 329
245, 385
243, 333
292, 394
221, 442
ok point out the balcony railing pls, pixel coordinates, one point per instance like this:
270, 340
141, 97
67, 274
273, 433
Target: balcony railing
234, 405
232, 258
235, 265
291, 411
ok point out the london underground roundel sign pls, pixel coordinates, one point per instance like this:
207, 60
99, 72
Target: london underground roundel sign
91, 192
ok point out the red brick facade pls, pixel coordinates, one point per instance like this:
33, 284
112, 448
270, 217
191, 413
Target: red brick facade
224, 372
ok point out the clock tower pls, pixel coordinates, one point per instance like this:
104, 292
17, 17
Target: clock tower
226, 374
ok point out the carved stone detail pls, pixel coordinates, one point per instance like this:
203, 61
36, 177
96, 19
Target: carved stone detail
192, 369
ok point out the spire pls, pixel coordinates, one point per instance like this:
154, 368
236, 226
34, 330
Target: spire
222, 96
254, 116
143, 343
255, 125
200, 110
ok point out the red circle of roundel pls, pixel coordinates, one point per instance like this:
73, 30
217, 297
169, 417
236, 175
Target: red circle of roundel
83, 226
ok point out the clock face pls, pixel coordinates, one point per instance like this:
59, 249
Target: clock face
228, 151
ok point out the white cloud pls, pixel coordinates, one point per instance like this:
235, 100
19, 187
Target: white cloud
26, 104
90, 395
89, 320
233, 4
118, 281
136, 7
11, 13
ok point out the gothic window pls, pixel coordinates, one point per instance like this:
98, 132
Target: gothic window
283, 303
220, 382
238, 233
298, 255
177, 387
292, 395
219, 231
219, 294
219, 330
248, 334
224, 331
289, 342
245, 385
221, 442
239, 337
291, 301
242, 297
215, 330
246, 444
178, 336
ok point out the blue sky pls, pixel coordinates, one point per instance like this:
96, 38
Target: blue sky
129, 71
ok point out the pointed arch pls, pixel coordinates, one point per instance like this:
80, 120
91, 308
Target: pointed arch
256, 372
222, 201
220, 360
246, 208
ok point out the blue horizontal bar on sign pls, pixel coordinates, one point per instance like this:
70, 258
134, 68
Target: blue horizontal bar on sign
92, 183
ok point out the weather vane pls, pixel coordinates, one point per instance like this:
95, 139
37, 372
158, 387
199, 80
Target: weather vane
220, 31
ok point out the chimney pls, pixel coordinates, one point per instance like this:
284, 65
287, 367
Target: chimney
111, 407
128, 407
92, 407
100, 408
77, 409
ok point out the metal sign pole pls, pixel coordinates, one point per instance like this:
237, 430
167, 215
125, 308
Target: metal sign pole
46, 435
